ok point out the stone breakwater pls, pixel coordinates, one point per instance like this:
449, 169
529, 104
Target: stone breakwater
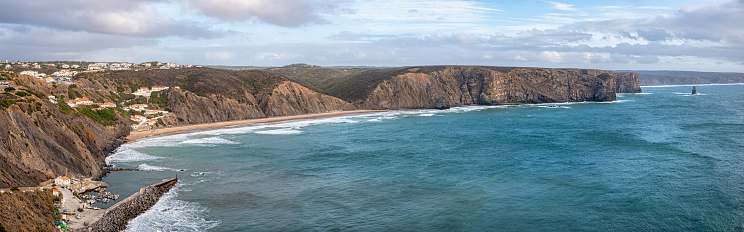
117, 217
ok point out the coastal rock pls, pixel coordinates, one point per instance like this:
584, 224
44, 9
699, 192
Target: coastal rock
193, 109
290, 98
456, 86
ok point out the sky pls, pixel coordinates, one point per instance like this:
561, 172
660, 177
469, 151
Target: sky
692, 35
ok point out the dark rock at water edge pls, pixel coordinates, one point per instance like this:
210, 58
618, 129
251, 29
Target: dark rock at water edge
694, 91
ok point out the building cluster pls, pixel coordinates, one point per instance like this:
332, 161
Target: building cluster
143, 121
83, 101
144, 91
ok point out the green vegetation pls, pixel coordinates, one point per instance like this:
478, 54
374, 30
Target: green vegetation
315, 77
15, 188
21, 94
158, 99
63, 107
7, 103
104, 117
358, 86
9, 89
72, 93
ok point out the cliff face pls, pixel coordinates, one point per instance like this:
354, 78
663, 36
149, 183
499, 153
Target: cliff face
455, 86
38, 142
193, 109
627, 83
291, 99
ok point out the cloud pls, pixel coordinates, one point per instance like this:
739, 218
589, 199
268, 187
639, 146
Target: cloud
718, 23
562, 6
286, 13
115, 17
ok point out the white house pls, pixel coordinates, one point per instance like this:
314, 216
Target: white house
158, 88
79, 101
63, 181
106, 105
138, 107
143, 91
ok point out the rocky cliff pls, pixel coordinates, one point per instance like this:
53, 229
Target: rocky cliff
455, 86
290, 98
39, 141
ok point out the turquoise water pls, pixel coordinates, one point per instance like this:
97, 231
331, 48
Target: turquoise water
663, 160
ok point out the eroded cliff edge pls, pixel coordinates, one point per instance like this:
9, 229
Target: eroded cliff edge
449, 86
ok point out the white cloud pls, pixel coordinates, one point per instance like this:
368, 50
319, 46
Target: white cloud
116, 17
287, 13
562, 6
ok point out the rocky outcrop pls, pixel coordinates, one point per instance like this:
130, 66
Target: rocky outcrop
117, 216
627, 83
456, 86
290, 98
193, 109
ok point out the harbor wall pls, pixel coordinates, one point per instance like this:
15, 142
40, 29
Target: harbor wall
117, 216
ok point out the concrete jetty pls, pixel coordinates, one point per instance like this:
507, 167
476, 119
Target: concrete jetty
118, 215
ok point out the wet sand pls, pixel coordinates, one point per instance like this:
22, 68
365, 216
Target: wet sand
208, 126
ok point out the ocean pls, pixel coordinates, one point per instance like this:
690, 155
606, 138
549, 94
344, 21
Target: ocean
663, 160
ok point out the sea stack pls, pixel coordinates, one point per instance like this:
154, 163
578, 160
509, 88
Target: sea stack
693, 90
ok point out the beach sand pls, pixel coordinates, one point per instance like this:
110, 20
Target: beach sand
208, 126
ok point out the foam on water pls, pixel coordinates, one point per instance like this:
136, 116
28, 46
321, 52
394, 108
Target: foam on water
128, 155
146, 167
283, 131
209, 140
171, 214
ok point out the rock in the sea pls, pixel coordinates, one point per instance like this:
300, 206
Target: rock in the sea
694, 91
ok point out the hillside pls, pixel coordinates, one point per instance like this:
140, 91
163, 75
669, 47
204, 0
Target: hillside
447, 86
43, 139
649, 78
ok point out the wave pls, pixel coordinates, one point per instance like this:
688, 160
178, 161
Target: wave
146, 167
128, 155
208, 140
284, 131
171, 214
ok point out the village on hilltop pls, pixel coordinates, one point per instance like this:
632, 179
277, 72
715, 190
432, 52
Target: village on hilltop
54, 73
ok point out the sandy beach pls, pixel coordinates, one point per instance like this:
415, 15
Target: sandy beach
208, 126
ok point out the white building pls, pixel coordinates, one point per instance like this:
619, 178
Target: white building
63, 181
79, 101
158, 88
138, 107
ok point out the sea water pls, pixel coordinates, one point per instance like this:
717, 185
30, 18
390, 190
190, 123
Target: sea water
663, 160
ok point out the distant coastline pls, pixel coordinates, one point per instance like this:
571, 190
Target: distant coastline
134, 136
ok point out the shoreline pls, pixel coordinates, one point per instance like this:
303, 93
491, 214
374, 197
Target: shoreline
134, 136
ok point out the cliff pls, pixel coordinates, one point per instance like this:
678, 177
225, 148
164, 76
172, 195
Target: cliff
448, 86
290, 98
40, 140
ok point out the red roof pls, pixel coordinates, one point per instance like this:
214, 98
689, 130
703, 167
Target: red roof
80, 100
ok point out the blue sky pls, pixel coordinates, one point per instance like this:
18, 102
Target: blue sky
616, 34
